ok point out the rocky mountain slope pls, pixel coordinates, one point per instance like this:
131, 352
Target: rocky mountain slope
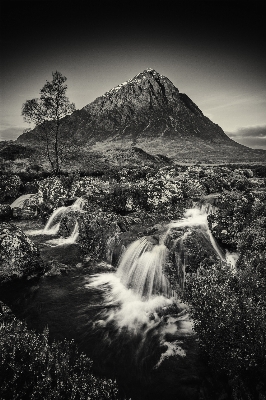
149, 112
148, 105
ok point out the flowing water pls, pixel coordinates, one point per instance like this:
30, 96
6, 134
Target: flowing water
53, 225
121, 320
20, 201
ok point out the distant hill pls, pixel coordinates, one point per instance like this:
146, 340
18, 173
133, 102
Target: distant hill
149, 113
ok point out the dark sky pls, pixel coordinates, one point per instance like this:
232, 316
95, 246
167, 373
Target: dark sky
212, 51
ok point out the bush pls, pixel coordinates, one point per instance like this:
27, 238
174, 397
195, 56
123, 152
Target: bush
228, 308
30, 368
236, 212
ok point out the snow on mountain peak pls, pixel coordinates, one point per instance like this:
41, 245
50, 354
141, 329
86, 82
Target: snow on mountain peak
136, 79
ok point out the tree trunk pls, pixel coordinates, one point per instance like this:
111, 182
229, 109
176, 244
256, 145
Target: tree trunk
56, 148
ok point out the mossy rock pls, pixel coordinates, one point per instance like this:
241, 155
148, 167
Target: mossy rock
19, 255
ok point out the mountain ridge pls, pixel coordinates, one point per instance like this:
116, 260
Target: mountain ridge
149, 112
147, 105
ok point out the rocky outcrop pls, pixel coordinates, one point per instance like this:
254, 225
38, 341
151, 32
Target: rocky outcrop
149, 105
19, 257
5, 212
99, 235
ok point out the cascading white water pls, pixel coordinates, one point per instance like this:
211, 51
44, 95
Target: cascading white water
53, 224
231, 258
19, 202
141, 269
197, 217
69, 240
134, 295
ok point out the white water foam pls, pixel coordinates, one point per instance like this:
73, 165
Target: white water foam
19, 202
195, 217
63, 241
129, 309
141, 269
53, 224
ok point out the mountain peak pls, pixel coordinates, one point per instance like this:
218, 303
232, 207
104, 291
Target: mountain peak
150, 70
147, 106
147, 73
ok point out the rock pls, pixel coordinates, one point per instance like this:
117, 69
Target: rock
19, 255
5, 212
26, 206
56, 268
31, 187
99, 236
189, 249
29, 213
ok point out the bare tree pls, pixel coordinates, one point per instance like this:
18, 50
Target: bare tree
47, 113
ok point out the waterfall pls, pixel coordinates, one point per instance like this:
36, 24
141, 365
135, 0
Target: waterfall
53, 224
196, 217
135, 299
137, 295
19, 202
142, 264
69, 240
141, 269
231, 258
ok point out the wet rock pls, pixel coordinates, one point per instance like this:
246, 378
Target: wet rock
56, 268
5, 212
19, 255
6, 314
29, 213
26, 206
99, 236
189, 249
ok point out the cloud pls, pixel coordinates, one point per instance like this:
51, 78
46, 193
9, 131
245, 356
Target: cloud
253, 136
222, 101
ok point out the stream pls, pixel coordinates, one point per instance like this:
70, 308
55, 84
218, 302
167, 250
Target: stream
118, 319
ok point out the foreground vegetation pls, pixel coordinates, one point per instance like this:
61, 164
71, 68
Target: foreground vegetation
228, 303
31, 368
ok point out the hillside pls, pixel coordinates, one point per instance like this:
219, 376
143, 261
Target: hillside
149, 112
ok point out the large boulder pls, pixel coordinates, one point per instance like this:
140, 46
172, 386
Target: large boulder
5, 212
190, 248
99, 233
26, 206
100, 236
19, 256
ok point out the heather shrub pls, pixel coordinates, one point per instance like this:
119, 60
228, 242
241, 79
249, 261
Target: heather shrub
31, 368
228, 308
